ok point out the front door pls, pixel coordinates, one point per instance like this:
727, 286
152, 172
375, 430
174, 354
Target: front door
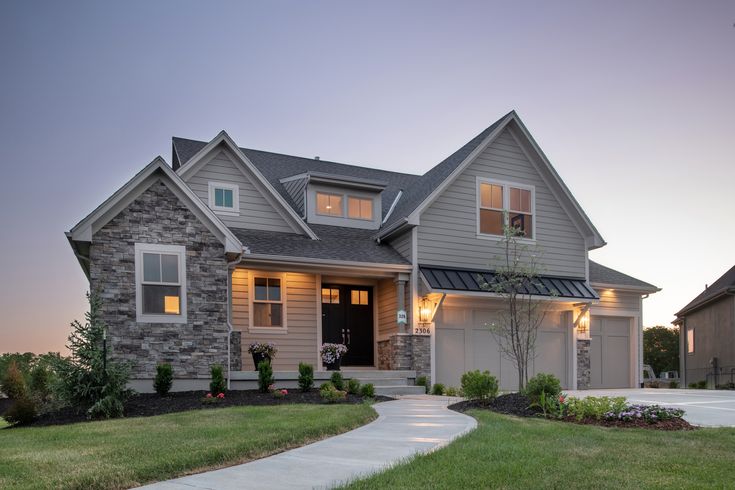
347, 318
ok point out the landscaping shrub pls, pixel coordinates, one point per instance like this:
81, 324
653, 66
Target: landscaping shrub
594, 407
109, 407
40, 382
673, 385
217, 385
164, 379
326, 385
423, 381
22, 411
542, 383
367, 390
330, 394
451, 391
13, 383
353, 386
702, 385
306, 376
726, 386
265, 376
337, 380
478, 385
437, 389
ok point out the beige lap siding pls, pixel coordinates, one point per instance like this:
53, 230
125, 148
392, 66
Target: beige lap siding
299, 343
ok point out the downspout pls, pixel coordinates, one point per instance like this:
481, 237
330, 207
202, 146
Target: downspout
230, 267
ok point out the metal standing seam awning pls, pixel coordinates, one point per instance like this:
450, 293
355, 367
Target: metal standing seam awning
471, 281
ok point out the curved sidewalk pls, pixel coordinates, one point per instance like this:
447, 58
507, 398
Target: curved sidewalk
403, 428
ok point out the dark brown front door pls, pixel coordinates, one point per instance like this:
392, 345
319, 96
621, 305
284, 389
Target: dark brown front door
347, 318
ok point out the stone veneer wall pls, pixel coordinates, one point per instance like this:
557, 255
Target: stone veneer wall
583, 364
236, 350
406, 352
158, 216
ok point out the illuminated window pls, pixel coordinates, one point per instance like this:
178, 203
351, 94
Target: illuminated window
224, 198
504, 204
329, 204
161, 283
359, 208
690, 340
359, 297
267, 302
330, 295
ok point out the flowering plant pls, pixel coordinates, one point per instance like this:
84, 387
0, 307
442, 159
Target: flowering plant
331, 353
280, 393
650, 414
210, 399
267, 349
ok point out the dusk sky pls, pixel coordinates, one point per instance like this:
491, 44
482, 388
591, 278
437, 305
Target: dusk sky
633, 102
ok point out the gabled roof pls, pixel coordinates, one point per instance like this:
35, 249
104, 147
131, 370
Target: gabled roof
83, 231
722, 286
605, 276
276, 166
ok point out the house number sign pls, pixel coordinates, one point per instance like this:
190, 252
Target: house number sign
422, 329
402, 318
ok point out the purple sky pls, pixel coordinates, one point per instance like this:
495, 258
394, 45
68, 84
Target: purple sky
633, 102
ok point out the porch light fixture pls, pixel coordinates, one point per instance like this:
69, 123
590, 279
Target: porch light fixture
426, 308
584, 323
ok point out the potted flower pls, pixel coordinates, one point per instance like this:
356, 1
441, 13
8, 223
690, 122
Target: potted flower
332, 355
262, 351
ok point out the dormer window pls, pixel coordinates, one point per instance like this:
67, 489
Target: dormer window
224, 198
502, 203
329, 204
359, 208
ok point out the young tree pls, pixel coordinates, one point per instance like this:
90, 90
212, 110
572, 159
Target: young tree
517, 275
661, 348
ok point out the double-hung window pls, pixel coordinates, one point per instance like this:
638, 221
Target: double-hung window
224, 198
268, 303
501, 204
160, 277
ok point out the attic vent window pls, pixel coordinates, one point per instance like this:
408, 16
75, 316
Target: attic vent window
224, 198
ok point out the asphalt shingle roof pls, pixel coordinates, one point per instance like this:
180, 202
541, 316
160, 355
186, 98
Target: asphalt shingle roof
604, 275
725, 282
335, 243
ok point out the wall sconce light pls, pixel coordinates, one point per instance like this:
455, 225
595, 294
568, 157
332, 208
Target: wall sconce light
584, 323
426, 308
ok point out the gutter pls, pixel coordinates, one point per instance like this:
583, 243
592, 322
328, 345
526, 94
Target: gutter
230, 266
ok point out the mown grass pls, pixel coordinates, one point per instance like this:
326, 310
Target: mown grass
510, 452
128, 452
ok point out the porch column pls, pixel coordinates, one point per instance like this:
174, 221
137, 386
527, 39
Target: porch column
401, 280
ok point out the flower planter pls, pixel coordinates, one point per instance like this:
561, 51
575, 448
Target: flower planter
258, 358
334, 366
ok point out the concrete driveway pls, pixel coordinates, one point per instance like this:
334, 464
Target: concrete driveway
708, 408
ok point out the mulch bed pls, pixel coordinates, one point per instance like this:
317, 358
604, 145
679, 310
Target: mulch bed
149, 404
518, 405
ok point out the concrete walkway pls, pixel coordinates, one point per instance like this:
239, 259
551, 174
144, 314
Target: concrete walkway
707, 408
404, 428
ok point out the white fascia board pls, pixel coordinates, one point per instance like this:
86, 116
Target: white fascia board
192, 165
621, 287
285, 259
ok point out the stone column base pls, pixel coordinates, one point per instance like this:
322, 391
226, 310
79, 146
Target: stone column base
236, 350
583, 364
406, 352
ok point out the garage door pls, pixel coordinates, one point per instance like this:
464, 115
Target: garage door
609, 352
463, 343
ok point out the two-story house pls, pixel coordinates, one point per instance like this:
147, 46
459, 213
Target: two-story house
229, 246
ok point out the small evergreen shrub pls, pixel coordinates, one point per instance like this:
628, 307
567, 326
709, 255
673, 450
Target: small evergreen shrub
22, 411
673, 385
265, 376
367, 390
353, 386
326, 385
306, 376
13, 383
337, 380
423, 381
164, 379
702, 384
40, 382
109, 407
542, 383
217, 385
437, 389
478, 385
330, 394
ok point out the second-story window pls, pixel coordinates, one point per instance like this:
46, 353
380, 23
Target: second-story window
224, 198
329, 204
359, 208
503, 204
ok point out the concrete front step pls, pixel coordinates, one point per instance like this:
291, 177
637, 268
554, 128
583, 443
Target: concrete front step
382, 381
399, 390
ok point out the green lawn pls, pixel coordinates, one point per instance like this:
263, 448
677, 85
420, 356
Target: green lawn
510, 452
128, 452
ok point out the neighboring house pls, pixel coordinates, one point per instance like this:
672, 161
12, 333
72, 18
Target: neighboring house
707, 334
229, 246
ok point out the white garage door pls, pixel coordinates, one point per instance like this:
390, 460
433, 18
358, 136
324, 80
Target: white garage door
463, 343
609, 352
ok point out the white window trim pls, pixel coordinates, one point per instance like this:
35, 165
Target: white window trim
225, 211
334, 194
283, 329
506, 207
359, 198
178, 250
